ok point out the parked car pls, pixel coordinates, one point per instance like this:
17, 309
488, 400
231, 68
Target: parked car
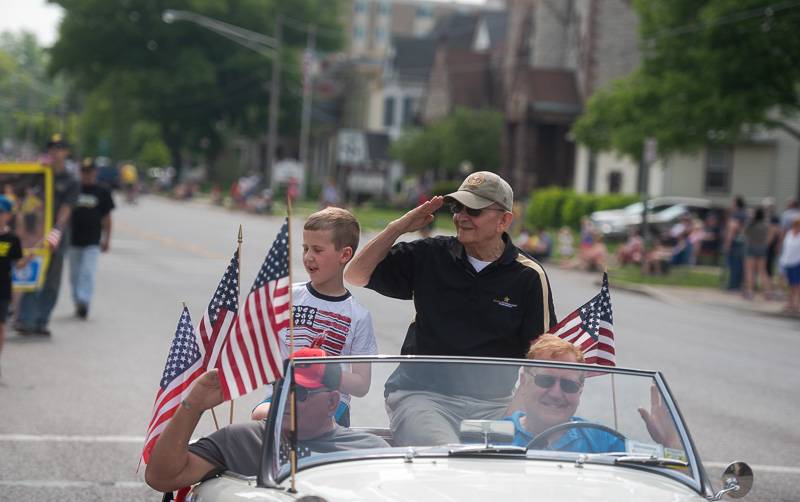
486, 460
663, 212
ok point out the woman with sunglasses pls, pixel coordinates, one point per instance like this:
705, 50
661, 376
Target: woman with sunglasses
475, 294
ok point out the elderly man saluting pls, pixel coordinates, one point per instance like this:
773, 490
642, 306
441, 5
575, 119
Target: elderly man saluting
475, 294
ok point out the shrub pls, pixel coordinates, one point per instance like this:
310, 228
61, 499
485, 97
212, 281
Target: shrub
554, 207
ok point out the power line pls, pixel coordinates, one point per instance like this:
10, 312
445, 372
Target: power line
767, 11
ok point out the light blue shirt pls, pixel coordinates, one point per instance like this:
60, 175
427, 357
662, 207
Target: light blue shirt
575, 440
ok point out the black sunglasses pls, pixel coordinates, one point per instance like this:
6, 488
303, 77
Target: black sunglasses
455, 207
567, 386
303, 393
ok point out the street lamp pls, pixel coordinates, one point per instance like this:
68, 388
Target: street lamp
263, 44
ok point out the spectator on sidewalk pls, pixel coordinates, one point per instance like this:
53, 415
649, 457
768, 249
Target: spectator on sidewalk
10, 252
756, 236
788, 215
733, 244
35, 307
790, 263
711, 240
91, 235
773, 237
566, 243
630, 252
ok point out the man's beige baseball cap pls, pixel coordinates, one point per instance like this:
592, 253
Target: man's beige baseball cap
482, 189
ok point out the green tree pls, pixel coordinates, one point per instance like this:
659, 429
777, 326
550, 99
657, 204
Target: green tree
32, 105
711, 70
472, 136
194, 84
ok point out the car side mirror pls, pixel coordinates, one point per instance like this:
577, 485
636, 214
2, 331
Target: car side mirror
737, 480
486, 431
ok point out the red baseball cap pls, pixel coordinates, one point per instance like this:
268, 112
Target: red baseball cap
316, 376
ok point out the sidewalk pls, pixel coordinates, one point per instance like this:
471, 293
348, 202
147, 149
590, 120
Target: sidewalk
716, 297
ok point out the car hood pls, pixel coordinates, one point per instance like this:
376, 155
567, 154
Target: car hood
609, 215
464, 479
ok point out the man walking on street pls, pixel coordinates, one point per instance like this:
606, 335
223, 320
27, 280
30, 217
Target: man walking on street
35, 307
91, 235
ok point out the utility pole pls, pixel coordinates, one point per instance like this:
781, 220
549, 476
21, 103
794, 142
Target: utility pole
305, 124
274, 102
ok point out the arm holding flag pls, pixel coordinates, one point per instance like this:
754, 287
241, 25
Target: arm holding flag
171, 464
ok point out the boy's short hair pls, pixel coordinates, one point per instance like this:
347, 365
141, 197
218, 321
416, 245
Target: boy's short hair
344, 226
548, 346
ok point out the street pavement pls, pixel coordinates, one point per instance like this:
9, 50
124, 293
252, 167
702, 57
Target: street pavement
75, 405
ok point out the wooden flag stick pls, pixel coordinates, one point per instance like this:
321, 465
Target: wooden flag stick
238, 291
293, 417
289, 244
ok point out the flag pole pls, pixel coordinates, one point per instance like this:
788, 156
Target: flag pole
238, 292
613, 381
292, 395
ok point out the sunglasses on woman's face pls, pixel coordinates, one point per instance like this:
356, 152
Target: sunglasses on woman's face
567, 386
455, 207
303, 393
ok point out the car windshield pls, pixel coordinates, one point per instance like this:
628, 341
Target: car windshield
444, 406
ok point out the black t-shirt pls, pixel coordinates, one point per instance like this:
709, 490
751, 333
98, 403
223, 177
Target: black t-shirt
92, 205
10, 251
65, 190
496, 312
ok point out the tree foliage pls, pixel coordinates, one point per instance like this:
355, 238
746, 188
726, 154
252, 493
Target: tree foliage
197, 86
711, 69
472, 136
32, 105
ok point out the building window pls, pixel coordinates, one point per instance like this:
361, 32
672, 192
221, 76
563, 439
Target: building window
388, 111
380, 34
615, 182
358, 32
360, 6
719, 164
385, 8
408, 111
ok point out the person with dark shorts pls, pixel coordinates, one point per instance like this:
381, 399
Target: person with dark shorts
10, 252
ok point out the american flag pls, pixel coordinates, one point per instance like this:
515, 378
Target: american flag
184, 365
591, 328
53, 237
314, 327
251, 356
219, 317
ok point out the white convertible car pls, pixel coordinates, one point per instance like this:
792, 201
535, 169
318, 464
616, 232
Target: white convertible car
464, 429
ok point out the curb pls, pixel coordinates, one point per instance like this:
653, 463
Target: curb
657, 294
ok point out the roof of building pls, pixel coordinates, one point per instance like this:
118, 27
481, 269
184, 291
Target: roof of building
552, 90
468, 78
497, 24
413, 57
456, 30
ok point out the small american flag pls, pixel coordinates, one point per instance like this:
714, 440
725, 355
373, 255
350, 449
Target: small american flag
218, 319
184, 365
54, 237
591, 328
251, 356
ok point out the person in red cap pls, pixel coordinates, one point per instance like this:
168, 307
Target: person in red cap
174, 463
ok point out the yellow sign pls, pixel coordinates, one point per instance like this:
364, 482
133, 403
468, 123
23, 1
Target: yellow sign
29, 187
